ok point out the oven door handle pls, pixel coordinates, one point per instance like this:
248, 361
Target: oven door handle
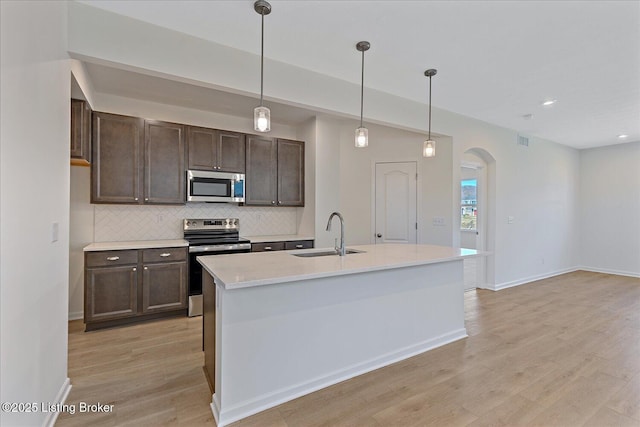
219, 248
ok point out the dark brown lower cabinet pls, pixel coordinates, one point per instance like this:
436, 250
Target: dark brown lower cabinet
281, 246
126, 286
112, 293
164, 287
209, 329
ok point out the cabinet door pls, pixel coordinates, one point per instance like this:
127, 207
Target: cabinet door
110, 293
231, 151
164, 164
203, 149
164, 287
117, 145
80, 131
290, 173
261, 174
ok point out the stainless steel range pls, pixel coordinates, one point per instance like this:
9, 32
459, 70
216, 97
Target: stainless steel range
209, 237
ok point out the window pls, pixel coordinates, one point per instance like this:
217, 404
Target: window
468, 204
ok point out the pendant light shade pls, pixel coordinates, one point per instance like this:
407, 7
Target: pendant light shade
362, 137
362, 133
262, 119
262, 114
429, 146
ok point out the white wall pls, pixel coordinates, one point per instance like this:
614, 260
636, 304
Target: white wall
34, 189
610, 209
434, 186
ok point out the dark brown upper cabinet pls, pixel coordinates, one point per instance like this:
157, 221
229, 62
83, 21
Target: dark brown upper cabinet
117, 151
164, 154
216, 150
137, 161
80, 133
275, 172
262, 171
290, 173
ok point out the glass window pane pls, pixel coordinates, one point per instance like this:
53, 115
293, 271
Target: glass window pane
468, 203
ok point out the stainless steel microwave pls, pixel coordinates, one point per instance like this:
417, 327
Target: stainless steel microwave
205, 186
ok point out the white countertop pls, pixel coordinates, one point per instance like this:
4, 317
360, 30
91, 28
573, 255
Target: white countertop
135, 244
264, 268
279, 238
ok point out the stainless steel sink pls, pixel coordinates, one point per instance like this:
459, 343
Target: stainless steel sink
325, 253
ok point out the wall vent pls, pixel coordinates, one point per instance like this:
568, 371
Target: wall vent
523, 141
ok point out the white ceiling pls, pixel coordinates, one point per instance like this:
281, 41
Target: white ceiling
497, 61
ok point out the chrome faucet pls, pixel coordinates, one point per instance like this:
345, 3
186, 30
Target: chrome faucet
340, 250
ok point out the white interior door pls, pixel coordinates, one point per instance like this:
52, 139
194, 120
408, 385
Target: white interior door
395, 203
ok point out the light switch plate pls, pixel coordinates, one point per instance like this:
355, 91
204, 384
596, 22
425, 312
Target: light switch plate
55, 229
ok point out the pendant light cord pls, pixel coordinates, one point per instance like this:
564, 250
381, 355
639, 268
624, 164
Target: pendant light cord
362, 91
429, 108
262, 58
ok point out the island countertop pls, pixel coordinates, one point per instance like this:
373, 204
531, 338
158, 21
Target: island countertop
238, 271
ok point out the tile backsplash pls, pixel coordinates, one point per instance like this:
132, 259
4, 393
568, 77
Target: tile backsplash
123, 222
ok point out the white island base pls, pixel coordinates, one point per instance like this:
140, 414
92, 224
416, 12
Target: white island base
275, 342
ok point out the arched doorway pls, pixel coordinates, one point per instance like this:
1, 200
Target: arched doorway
477, 215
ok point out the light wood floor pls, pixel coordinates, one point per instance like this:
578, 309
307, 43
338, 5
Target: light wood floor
563, 351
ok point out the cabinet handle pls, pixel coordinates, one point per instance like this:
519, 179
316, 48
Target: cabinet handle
146, 199
267, 248
299, 246
166, 254
273, 202
135, 269
279, 202
135, 198
113, 258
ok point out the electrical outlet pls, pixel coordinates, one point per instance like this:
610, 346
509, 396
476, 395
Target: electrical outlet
510, 219
438, 221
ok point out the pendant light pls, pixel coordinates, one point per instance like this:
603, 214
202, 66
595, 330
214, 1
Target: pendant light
261, 114
362, 133
429, 146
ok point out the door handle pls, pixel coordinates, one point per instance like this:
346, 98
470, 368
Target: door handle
378, 235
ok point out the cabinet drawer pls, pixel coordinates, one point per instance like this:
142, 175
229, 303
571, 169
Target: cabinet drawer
164, 255
266, 247
111, 258
298, 244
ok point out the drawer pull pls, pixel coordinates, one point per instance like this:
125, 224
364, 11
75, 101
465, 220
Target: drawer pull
113, 258
165, 254
299, 246
267, 248
135, 269
146, 268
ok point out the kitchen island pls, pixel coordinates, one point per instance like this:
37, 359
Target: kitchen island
278, 326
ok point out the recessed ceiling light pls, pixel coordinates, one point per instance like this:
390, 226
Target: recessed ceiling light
549, 102
623, 136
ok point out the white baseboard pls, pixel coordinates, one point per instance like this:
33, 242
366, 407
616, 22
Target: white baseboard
284, 395
518, 282
609, 271
51, 418
76, 315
